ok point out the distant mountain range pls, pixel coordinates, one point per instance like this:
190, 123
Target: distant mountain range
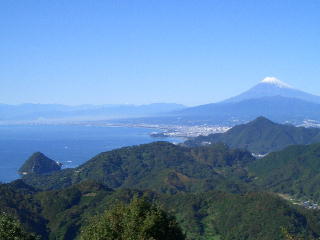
260, 136
271, 98
31, 112
277, 108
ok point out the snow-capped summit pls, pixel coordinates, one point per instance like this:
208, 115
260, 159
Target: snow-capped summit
275, 81
270, 87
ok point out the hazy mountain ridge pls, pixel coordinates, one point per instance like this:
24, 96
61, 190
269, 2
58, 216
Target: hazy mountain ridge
58, 111
276, 108
270, 98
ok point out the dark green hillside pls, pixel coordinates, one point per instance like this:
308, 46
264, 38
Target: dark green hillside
202, 216
218, 215
55, 214
232, 216
67, 209
261, 136
209, 189
294, 170
220, 155
11, 229
17, 200
38, 163
159, 166
138, 220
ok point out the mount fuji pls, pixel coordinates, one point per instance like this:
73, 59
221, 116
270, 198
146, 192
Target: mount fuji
270, 87
270, 98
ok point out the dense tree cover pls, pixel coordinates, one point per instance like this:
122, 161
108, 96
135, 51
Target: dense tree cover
261, 136
138, 220
295, 170
38, 163
17, 199
214, 191
11, 229
159, 166
250, 216
68, 208
210, 215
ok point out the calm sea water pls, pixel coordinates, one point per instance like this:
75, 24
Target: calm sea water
71, 145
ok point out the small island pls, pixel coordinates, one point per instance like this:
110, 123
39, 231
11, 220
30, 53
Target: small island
39, 163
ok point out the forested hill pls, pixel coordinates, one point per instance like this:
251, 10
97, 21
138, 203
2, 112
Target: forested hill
261, 136
159, 166
168, 168
294, 170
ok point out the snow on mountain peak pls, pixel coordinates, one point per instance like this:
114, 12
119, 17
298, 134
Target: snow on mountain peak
275, 81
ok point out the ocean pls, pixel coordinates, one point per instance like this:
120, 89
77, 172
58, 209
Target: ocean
70, 145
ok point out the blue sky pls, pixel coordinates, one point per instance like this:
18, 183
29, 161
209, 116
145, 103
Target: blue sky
145, 51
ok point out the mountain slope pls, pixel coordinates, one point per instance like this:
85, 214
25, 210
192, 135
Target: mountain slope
249, 216
261, 136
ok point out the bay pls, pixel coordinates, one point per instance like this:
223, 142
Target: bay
70, 145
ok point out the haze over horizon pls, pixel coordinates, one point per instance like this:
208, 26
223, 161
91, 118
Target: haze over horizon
267, 80
97, 52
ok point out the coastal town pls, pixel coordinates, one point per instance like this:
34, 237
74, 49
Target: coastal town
181, 131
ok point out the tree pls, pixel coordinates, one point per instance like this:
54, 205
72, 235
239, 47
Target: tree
138, 220
10, 229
